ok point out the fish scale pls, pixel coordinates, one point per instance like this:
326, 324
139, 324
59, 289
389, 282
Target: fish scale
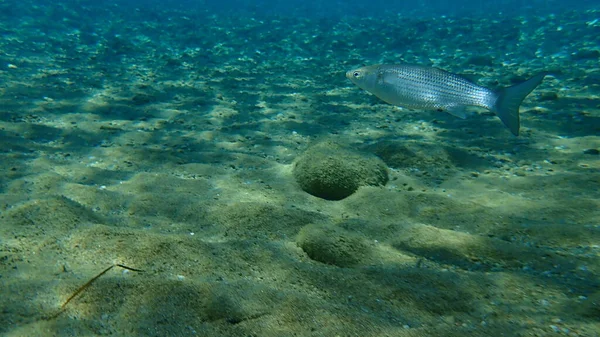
420, 87
417, 86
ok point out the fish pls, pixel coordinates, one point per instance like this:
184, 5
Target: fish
429, 88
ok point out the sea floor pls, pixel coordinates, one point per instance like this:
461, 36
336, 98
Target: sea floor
165, 142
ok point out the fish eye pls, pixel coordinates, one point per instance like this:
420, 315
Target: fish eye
356, 74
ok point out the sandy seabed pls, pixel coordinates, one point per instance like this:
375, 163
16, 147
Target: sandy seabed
140, 149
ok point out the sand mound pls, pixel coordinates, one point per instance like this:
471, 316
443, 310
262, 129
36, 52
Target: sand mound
333, 172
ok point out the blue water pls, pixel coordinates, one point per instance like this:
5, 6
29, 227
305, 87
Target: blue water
315, 8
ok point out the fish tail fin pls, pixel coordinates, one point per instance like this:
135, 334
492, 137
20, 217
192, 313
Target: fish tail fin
509, 99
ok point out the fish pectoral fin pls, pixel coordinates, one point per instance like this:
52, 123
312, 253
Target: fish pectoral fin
457, 111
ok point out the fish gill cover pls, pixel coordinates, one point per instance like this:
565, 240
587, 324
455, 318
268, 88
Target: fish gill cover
166, 136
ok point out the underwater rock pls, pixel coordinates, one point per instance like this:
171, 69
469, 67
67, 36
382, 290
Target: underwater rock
141, 99
590, 307
585, 54
480, 60
332, 245
549, 96
330, 171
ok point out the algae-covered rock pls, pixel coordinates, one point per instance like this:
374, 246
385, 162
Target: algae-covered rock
333, 245
590, 307
331, 171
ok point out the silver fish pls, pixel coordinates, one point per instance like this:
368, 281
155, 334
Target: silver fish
419, 87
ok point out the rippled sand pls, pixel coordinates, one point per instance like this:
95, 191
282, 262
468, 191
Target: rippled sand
167, 146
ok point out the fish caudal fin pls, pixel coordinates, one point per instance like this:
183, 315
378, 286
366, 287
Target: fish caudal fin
509, 100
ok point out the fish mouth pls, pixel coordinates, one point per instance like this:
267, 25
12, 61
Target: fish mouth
349, 74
